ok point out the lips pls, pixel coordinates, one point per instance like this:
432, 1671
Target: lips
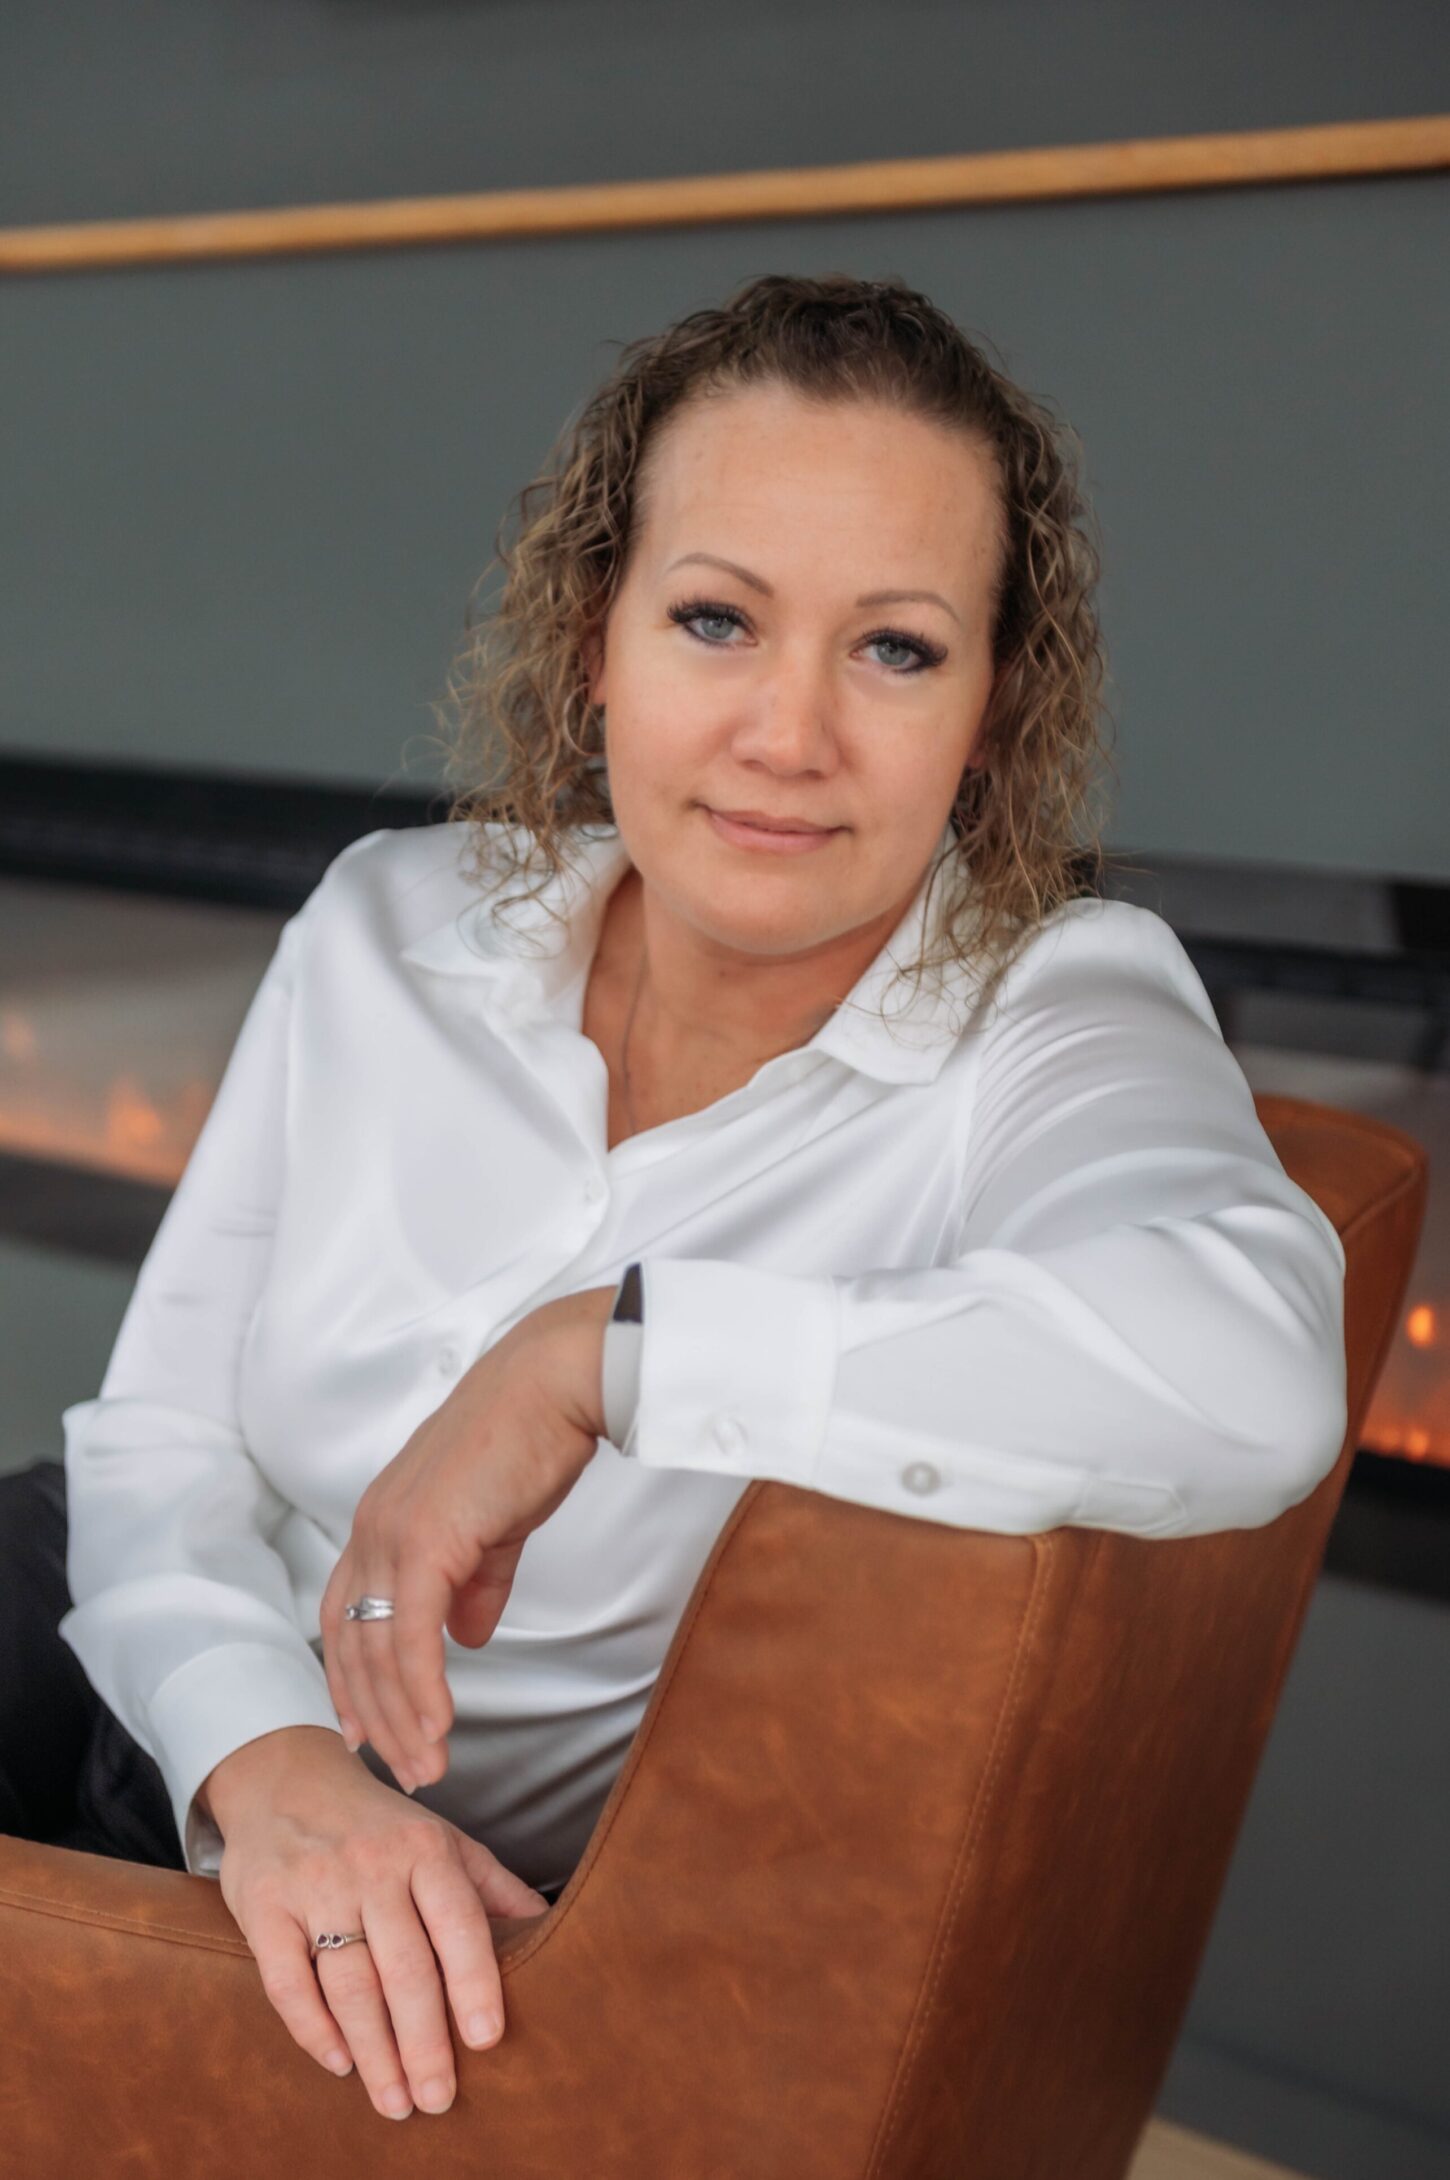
769, 840
771, 825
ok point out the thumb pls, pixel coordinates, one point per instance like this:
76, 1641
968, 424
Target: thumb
477, 1605
501, 1892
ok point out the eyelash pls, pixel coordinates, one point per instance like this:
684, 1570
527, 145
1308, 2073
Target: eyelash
710, 609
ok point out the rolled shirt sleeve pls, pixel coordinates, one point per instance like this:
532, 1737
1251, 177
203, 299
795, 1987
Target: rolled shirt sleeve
1139, 1326
183, 1615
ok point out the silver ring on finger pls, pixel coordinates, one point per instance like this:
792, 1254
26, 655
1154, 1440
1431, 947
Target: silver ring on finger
327, 1941
369, 1608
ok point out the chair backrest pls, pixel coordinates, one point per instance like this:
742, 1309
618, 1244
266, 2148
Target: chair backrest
915, 1854
907, 1873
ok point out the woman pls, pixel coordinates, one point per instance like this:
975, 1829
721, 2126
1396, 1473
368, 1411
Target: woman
797, 675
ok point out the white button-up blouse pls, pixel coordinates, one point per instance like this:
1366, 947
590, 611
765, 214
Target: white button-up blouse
1003, 1268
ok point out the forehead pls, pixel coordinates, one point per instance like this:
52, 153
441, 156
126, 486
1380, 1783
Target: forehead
751, 467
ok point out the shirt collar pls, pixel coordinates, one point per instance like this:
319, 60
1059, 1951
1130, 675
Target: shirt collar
526, 982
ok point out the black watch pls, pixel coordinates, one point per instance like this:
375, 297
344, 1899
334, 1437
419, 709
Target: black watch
629, 1302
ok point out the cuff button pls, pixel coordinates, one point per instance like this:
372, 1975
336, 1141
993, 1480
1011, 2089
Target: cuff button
729, 1433
921, 1476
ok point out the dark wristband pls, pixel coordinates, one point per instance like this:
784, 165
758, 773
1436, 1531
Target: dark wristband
629, 1302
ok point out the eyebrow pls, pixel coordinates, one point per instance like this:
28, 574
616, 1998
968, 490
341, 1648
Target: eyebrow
867, 598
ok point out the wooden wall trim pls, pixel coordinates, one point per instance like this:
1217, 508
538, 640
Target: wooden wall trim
1137, 165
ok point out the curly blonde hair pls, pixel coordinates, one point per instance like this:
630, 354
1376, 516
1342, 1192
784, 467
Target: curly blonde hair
520, 680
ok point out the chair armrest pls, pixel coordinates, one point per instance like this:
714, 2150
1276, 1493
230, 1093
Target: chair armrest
765, 1883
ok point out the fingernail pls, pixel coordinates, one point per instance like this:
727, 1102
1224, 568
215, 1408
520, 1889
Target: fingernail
483, 2028
339, 2062
397, 2103
436, 2096
431, 1730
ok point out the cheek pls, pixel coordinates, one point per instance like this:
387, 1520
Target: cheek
909, 773
660, 741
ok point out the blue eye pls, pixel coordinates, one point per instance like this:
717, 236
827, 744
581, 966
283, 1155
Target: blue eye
689, 610
684, 615
902, 643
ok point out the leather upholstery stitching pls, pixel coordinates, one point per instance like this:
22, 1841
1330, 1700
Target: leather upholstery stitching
129, 1926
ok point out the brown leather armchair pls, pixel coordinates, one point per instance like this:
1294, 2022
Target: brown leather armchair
908, 1873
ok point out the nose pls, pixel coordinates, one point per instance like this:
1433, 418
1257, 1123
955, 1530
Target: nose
790, 720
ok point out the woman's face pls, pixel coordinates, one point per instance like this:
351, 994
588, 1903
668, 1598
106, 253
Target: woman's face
778, 684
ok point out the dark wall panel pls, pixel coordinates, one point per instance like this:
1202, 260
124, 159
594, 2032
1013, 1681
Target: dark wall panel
246, 502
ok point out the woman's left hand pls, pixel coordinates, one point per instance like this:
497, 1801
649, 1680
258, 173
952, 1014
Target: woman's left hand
441, 1528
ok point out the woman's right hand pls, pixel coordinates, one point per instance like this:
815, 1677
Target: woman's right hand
313, 1841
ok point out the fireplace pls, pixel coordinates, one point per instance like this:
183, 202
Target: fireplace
131, 954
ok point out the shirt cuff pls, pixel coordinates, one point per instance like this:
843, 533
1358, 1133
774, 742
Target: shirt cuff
737, 1368
622, 1343
216, 1703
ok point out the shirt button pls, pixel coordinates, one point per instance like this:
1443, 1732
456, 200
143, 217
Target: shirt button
448, 1360
595, 1190
921, 1476
729, 1433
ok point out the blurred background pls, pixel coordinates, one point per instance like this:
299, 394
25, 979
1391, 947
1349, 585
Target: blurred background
246, 501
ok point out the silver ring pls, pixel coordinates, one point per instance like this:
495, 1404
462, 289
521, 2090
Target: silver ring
327, 1939
370, 1608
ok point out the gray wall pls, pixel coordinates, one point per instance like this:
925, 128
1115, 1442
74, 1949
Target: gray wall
247, 502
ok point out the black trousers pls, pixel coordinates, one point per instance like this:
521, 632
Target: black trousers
70, 1772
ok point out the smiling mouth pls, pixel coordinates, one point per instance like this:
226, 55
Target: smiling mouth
763, 825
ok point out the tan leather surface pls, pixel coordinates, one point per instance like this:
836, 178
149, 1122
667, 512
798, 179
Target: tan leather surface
908, 1873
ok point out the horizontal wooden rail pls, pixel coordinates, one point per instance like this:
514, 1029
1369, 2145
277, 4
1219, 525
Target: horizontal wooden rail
1231, 160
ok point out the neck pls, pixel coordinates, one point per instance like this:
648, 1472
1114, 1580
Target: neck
695, 1008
